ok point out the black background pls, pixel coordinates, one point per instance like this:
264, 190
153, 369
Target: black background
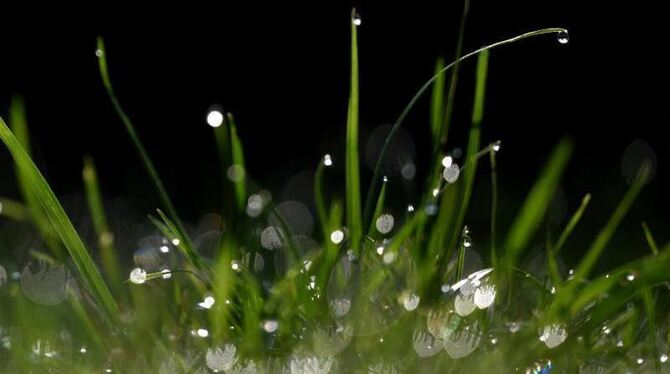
282, 69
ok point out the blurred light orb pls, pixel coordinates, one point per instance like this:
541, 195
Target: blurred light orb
235, 173
384, 223
635, 156
447, 161
327, 161
451, 173
214, 118
270, 238
337, 236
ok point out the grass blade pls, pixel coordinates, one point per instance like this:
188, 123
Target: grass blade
378, 209
319, 202
61, 223
537, 202
130, 129
574, 220
238, 162
13, 209
494, 206
650, 238
437, 102
353, 193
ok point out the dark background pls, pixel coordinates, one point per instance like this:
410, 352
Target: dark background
282, 69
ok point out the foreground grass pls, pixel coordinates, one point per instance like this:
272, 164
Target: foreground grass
377, 292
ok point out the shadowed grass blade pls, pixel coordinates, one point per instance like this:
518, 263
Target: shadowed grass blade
61, 223
108, 254
130, 129
536, 203
353, 193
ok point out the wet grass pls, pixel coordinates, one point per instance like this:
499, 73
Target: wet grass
372, 291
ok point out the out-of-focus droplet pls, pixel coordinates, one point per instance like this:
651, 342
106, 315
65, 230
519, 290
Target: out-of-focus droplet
411, 302
47, 286
236, 265
340, 307
235, 173
408, 171
563, 37
464, 305
98, 53
337, 236
451, 173
270, 326
384, 223
553, 335
356, 19
461, 341
221, 359
447, 161
484, 296
214, 118
327, 160
425, 344
166, 274
270, 238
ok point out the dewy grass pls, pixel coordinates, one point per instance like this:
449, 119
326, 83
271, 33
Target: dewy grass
374, 290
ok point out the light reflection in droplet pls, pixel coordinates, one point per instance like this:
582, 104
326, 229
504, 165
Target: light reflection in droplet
138, 276
214, 118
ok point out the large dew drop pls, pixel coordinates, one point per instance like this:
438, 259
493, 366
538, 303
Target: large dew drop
425, 344
138, 276
384, 223
460, 342
47, 286
411, 302
270, 238
451, 173
464, 304
484, 296
553, 335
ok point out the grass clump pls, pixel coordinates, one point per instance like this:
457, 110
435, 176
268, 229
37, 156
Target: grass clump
373, 291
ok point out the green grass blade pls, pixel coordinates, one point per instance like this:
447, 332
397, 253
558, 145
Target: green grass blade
437, 102
319, 201
238, 161
13, 209
378, 209
61, 223
401, 118
183, 245
108, 253
130, 129
353, 193
650, 238
537, 202
572, 223
494, 207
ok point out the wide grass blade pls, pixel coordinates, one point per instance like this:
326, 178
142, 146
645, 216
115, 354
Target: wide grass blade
352, 190
537, 202
61, 223
130, 129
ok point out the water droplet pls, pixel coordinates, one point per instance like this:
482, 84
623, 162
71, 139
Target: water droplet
47, 286
563, 37
380, 250
384, 223
447, 161
98, 53
451, 173
640, 361
340, 307
207, 302
221, 359
496, 146
663, 358
389, 257
270, 326
235, 173
164, 249
630, 277
167, 274
332, 340
356, 19
459, 341
411, 302
309, 364
203, 333
138, 276
255, 205
235, 265
425, 344
431, 209
83, 349
408, 171
553, 335
484, 296
214, 118
327, 161
385, 179
337, 236
176, 241
410, 208
464, 304
270, 238
436, 191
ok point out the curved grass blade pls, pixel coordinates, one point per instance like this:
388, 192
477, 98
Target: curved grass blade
61, 224
353, 184
401, 118
536, 203
130, 129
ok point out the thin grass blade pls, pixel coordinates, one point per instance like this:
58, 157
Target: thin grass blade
353, 193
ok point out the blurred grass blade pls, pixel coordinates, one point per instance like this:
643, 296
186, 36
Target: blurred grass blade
185, 246
572, 223
238, 162
597, 247
650, 238
61, 223
108, 253
222, 137
130, 129
353, 193
13, 209
537, 202
437, 102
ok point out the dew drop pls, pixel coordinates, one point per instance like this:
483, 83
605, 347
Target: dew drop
337, 236
553, 335
270, 238
221, 359
410, 208
235, 265
214, 118
447, 161
563, 37
408, 171
451, 173
425, 344
327, 161
270, 326
484, 296
98, 53
166, 274
203, 333
235, 173
138, 276
164, 249
411, 302
384, 223
464, 304
356, 19
340, 307
663, 358
496, 146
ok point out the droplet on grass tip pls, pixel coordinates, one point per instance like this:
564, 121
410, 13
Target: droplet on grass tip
563, 37
356, 19
496, 146
327, 161
167, 274
214, 118
484, 296
138, 276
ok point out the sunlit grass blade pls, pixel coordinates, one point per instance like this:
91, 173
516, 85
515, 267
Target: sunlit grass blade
108, 253
572, 223
61, 223
536, 203
130, 129
352, 190
401, 118
650, 238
